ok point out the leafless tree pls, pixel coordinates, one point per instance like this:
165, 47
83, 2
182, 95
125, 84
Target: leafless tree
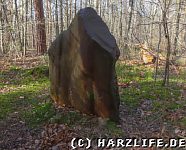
132, 22
40, 26
168, 41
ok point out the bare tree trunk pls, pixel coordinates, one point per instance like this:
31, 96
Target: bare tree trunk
70, 15
75, 6
112, 21
9, 34
100, 8
47, 24
131, 3
40, 27
177, 27
56, 18
32, 18
97, 5
25, 29
50, 21
67, 15
81, 4
167, 37
109, 15
126, 47
22, 25
120, 24
2, 28
61, 14
17, 21
158, 51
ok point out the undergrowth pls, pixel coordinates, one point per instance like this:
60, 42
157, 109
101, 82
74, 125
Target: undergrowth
26, 91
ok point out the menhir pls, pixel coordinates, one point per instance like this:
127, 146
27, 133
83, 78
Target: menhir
82, 67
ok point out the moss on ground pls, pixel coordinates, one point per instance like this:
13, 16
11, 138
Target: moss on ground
26, 91
141, 86
22, 88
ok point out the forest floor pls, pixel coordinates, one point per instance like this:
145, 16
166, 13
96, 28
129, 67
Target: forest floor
30, 120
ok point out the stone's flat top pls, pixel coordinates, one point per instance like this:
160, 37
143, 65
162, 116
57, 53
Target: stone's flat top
97, 29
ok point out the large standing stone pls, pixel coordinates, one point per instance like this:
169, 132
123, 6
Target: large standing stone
82, 67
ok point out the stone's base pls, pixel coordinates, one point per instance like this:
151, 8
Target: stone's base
82, 67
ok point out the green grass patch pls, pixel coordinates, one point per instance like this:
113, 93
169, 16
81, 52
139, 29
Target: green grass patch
113, 129
183, 122
26, 92
142, 87
23, 88
29, 96
17, 76
128, 73
40, 113
70, 118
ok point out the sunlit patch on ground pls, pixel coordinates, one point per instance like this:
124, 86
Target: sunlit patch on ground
147, 109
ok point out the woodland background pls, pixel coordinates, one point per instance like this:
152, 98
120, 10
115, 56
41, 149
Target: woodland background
157, 22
